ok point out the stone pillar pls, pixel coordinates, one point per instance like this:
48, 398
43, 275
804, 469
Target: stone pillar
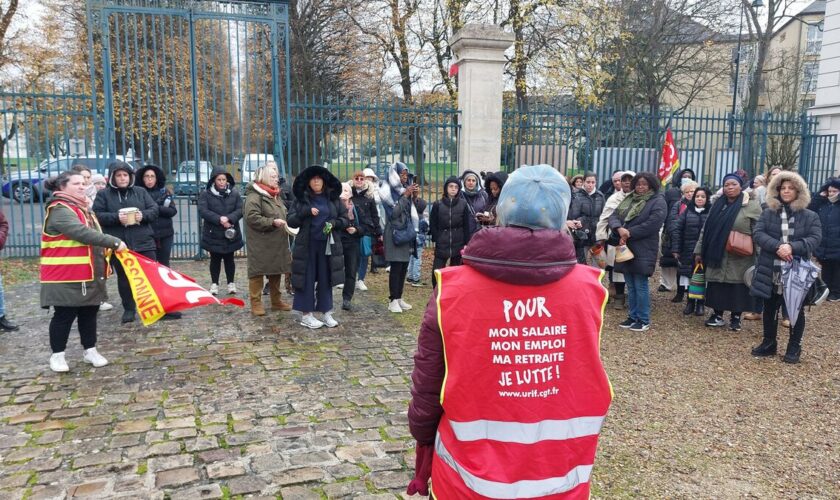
827, 105
479, 51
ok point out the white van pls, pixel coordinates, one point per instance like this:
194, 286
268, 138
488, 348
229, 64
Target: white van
250, 163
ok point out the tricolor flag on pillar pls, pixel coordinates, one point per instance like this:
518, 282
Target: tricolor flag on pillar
158, 290
670, 162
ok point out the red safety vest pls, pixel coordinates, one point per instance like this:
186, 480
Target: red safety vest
64, 260
525, 393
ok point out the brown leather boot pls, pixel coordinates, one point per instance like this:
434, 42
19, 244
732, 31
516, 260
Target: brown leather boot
255, 286
277, 303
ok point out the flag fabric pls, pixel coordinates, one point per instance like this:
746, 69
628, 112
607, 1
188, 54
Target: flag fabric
670, 162
453, 69
158, 290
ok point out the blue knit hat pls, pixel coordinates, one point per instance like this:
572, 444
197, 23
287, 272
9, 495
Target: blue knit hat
536, 197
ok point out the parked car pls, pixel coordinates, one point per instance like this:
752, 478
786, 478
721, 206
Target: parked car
250, 163
26, 185
190, 180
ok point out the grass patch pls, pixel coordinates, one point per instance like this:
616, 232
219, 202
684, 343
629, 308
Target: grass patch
223, 444
281, 419
225, 492
19, 270
142, 468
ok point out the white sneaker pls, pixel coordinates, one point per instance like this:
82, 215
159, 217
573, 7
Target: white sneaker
93, 357
404, 305
360, 285
309, 321
388, 269
394, 306
214, 289
231, 288
340, 286
329, 320
58, 363
105, 306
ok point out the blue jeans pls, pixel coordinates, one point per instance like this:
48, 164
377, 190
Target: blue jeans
414, 262
2, 298
363, 265
638, 295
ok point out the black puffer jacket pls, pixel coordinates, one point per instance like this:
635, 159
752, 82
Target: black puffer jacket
587, 209
500, 178
300, 216
448, 224
667, 260
366, 218
807, 231
674, 193
212, 205
109, 201
829, 214
684, 235
162, 226
644, 236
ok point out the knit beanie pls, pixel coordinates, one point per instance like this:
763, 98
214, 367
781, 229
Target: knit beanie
536, 197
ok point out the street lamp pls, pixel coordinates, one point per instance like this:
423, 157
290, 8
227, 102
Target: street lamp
756, 4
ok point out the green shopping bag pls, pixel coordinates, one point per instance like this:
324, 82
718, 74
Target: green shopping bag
697, 284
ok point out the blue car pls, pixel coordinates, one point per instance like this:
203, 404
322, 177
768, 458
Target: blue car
26, 186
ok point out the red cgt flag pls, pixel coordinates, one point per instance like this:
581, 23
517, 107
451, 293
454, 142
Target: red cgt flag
670, 159
158, 290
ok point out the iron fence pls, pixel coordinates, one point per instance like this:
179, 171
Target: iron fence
710, 143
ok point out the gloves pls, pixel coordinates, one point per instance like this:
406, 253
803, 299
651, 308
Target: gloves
422, 470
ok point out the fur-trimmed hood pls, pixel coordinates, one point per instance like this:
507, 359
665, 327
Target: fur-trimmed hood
369, 189
803, 198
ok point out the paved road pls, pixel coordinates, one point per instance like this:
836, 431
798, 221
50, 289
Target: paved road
219, 403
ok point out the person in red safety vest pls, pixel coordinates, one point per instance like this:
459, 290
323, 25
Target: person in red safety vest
73, 268
508, 390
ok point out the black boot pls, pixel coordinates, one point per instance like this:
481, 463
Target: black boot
690, 304
699, 309
7, 325
128, 316
766, 348
794, 348
679, 296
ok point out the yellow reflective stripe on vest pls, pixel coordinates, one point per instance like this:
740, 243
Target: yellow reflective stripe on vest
530, 488
60, 261
517, 432
62, 244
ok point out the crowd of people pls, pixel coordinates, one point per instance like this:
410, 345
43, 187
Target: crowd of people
321, 233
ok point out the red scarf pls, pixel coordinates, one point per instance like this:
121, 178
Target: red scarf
273, 191
81, 202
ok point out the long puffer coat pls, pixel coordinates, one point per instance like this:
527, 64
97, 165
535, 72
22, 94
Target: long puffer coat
212, 205
267, 244
807, 231
448, 226
829, 214
138, 237
300, 216
684, 235
587, 209
162, 226
644, 236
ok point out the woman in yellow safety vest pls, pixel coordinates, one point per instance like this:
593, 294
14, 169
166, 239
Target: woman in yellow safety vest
73, 267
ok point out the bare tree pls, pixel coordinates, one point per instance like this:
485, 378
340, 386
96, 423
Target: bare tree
8, 10
668, 48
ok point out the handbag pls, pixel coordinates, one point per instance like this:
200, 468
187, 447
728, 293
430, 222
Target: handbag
697, 283
613, 240
623, 254
739, 244
365, 246
405, 234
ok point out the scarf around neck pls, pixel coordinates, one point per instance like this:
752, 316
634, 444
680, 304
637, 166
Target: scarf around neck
632, 205
272, 191
716, 230
833, 199
80, 202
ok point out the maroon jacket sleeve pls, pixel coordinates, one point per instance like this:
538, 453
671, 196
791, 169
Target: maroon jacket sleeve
425, 410
4, 230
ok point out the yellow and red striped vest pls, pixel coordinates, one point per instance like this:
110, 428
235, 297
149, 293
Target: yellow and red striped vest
64, 260
525, 393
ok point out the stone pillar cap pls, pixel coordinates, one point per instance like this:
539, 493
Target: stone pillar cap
482, 37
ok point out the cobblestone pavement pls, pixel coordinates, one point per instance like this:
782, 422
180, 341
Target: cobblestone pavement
216, 405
